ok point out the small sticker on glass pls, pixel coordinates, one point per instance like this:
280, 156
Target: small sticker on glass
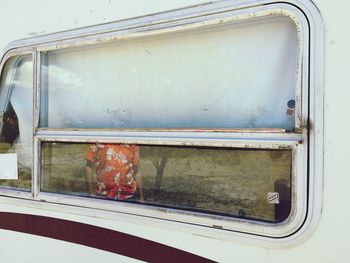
273, 197
8, 166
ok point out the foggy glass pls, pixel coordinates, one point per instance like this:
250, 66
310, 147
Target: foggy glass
234, 76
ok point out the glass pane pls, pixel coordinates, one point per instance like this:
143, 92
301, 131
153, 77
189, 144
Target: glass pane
253, 184
16, 108
233, 76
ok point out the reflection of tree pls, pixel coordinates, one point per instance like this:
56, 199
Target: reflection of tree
159, 164
159, 157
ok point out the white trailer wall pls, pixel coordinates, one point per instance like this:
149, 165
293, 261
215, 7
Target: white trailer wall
329, 241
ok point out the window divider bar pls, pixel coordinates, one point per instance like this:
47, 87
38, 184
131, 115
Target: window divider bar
36, 104
37, 83
239, 140
36, 168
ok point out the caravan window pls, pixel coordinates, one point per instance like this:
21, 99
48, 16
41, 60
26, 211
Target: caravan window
202, 119
210, 80
16, 107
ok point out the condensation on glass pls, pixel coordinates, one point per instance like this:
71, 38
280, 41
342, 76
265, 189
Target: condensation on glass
16, 108
252, 184
228, 76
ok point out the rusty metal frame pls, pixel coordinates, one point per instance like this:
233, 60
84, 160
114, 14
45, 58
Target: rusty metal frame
306, 18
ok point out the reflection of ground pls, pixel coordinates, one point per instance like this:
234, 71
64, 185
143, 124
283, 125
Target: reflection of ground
220, 181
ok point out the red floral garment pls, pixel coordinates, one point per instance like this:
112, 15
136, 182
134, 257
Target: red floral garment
115, 167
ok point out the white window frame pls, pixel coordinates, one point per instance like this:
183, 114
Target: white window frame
306, 141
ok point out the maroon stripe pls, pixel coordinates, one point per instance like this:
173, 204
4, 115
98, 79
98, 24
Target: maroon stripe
96, 237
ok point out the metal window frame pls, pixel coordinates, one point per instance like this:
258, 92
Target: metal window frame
306, 141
